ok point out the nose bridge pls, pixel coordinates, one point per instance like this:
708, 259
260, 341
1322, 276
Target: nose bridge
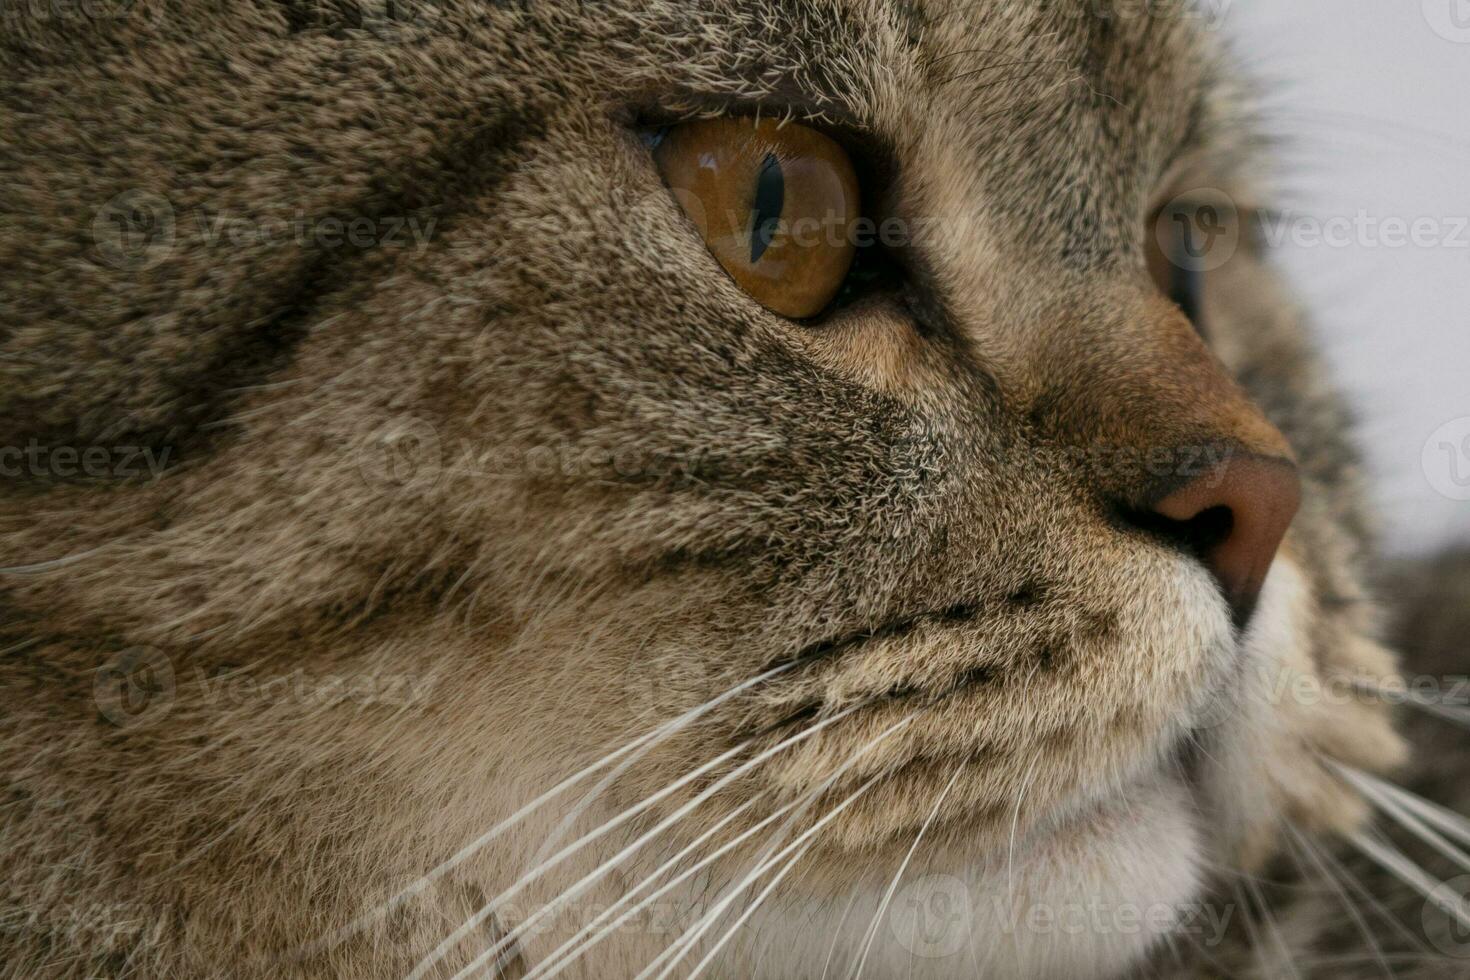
1136, 379
1173, 446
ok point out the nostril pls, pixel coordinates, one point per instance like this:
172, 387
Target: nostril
1199, 535
1232, 518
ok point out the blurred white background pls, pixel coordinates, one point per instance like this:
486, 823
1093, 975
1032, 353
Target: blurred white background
1373, 97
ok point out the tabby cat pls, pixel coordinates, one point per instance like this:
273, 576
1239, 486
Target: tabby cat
682, 488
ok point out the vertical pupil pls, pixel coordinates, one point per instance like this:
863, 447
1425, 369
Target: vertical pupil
770, 197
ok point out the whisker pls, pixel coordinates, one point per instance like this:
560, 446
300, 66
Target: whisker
1394, 861
560, 958
1015, 823
1385, 915
1445, 820
872, 932
586, 882
1394, 801
1456, 713
644, 742
837, 934
487, 910
1453, 712
1305, 846
801, 845
681, 946
1247, 918
754, 905
1269, 920
484, 913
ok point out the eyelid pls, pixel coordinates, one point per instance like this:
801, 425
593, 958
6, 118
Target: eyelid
873, 154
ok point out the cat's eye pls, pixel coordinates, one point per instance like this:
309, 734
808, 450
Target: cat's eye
1174, 275
776, 204
1188, 239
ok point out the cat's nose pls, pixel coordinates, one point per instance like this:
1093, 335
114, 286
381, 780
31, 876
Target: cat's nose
1233, 518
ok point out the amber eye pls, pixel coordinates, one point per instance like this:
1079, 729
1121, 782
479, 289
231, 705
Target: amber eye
775, 204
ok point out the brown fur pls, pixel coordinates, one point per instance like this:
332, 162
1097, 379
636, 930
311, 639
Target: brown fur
549, 478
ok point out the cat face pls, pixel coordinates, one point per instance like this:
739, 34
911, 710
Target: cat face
565, 467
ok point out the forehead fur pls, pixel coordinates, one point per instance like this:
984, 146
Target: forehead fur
1009, 89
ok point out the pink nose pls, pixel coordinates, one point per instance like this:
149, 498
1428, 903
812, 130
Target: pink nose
1234, 518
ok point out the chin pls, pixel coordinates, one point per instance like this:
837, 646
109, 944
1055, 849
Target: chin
1090, 897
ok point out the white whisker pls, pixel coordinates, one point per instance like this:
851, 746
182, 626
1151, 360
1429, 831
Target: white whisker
1304, 845
484, 913
750, 910
801, 845
837, 934
1394, 861
643, 742
586, 882
559, 958
1448, 821
1269, 921
1015, 823
898, 876
1388, 798
685, 942
1456, 713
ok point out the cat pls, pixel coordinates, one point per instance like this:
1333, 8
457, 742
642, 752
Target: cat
453, 524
